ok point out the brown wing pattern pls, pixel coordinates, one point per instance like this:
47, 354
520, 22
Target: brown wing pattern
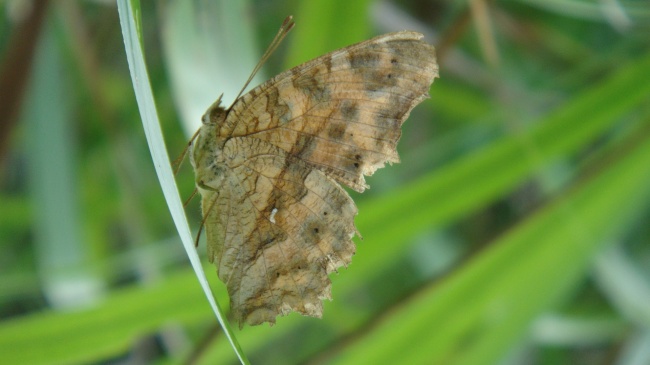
278, 228
342, 112
277, 221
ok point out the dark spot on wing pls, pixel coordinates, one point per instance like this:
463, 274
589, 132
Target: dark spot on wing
316, 90
364, 59
380, 78
275, 107
336, 131
350, 110
304, 145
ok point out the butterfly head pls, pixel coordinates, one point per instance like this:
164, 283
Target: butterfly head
215, 113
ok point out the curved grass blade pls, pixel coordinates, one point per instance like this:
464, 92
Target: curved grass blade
132, 42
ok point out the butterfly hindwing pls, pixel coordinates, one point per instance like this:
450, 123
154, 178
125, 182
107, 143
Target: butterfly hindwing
282, 227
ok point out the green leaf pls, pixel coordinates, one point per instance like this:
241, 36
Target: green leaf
106, 330
476, 314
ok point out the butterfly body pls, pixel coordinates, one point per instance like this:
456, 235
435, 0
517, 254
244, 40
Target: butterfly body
270, 169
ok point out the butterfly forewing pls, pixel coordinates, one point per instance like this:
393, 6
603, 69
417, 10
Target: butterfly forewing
343, 111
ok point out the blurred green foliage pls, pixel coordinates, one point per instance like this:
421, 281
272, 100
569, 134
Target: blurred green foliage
515, 230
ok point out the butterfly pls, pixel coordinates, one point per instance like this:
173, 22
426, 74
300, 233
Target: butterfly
270, 167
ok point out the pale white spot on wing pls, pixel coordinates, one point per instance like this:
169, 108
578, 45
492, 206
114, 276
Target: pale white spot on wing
272, 218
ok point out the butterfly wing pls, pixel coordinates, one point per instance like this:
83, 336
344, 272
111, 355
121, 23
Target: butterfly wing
280, 222
277, 229
342, 112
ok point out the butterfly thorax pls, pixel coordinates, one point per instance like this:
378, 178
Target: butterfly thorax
206, 155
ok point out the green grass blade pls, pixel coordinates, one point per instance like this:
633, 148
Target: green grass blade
475, 315
53, 156
106, 330
144, 96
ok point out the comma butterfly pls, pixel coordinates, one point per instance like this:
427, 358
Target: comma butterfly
270, 167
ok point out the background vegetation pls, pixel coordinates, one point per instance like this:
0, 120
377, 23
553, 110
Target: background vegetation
515, 230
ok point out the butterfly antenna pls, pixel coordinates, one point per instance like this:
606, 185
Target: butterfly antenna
178, 162
286, 26
205, 218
